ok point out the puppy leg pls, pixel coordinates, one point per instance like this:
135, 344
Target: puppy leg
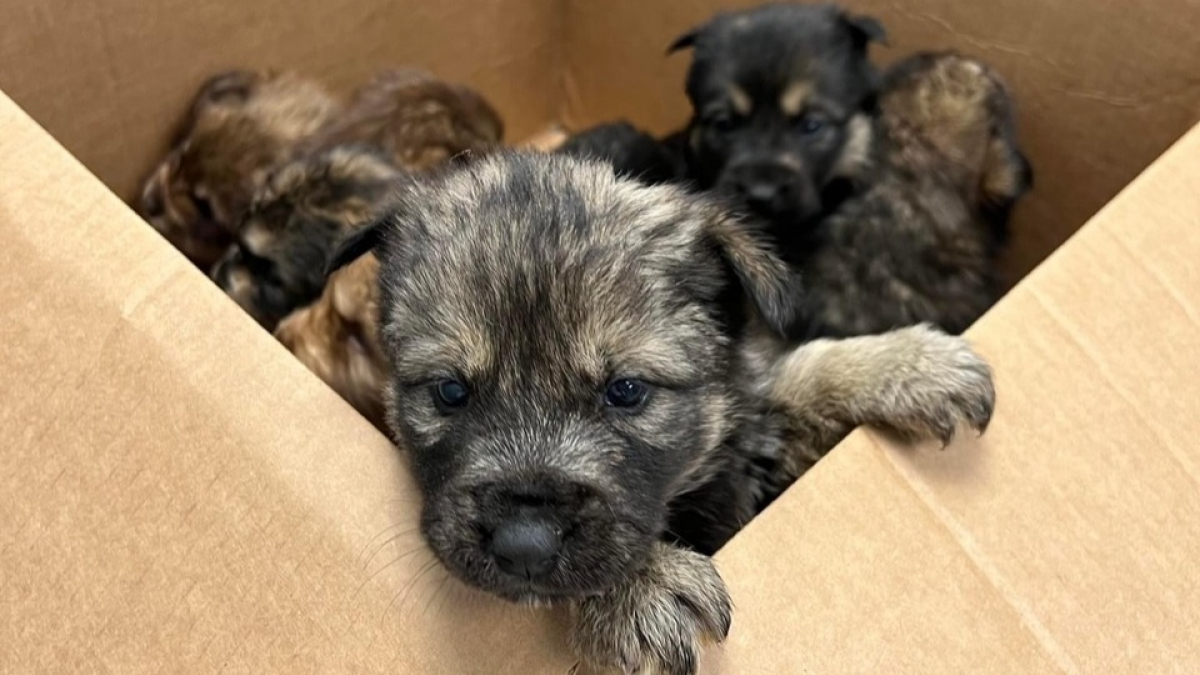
917, 381
659, 619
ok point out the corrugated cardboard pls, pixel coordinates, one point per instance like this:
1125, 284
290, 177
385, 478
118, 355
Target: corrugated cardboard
180, 496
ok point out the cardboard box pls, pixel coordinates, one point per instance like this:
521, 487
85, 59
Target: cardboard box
181, 496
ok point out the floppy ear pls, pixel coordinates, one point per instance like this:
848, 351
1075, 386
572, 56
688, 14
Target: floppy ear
864, 30
356, 246
768, 282
684, 41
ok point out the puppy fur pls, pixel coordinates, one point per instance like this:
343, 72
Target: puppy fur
298, 216
418, 119
337, 338
892, 203
586, 374
919, 242
241, 125
632, 152
782, 98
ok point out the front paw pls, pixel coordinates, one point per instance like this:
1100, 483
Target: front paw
942, 385
658, 621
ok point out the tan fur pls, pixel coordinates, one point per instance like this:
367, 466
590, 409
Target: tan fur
419, 120
795, 98
337, 338
241, 125
742, 103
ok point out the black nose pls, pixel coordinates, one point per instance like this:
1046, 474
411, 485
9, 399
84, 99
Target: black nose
762, 195
525, 548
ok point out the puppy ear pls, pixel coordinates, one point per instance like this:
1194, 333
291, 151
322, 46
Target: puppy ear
768, 282
356, 246
864, 30
684, 41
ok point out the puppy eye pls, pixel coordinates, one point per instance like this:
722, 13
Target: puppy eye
450, 395
203, 207
723, 122
808, 125
626, 393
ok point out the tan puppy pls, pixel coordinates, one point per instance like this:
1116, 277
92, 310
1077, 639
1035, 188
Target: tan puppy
241, 125
337, 338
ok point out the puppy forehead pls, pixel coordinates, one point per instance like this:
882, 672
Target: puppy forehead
518, 251
774, 53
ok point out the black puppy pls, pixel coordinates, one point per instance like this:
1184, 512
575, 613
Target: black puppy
891, 199
632, 152
782, 97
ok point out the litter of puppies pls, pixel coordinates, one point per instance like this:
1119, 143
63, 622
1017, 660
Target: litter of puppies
605, 359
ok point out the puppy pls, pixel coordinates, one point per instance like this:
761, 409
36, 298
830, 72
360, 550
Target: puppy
892, 205
632, 152
298, 216
783, 97
240, 125
418, 120
337, 338
578, 375
919, 242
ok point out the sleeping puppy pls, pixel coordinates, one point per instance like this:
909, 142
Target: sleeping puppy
419, 120
920, 241
302, 211
891, 204
578, 374
337, 338
241, 125
632, 152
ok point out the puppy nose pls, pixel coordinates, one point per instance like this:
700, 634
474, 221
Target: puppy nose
762, 195
525, 548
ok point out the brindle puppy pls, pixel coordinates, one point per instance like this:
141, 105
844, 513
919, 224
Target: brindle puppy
919, 241
417, 119
632, 152
241, 125
578, 375
892, 204
302, 211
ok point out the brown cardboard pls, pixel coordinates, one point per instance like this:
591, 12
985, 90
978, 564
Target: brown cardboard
1065, 540
1103, 87
180, 496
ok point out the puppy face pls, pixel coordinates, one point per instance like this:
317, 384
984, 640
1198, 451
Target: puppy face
302, 211
560, 361
240, 125
779, 96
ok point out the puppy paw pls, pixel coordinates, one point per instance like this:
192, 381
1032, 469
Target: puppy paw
937, 384
659, 620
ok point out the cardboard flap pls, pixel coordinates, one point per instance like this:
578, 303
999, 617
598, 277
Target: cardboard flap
1065, 540
181, 495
